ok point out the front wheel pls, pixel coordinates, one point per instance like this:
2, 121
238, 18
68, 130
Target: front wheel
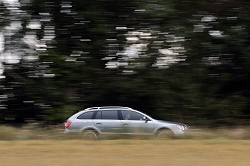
164, 133
90, 135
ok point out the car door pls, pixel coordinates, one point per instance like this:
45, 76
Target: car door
107, 121
134, 123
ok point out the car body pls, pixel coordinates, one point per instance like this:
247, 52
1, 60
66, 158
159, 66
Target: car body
96, 121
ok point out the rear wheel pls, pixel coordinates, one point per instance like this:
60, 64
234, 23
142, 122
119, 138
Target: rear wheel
164, 134
90, 135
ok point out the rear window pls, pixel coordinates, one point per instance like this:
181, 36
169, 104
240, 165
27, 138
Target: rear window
98, 115
107, 114
110, 115
86, 115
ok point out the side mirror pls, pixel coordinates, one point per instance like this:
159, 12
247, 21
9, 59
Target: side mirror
145, 119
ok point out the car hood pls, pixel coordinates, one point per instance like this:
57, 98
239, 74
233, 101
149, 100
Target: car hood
162, 121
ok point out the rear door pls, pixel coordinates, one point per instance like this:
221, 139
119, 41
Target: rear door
107, 121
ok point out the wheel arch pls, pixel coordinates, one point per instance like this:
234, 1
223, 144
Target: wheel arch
91, 128
163, 128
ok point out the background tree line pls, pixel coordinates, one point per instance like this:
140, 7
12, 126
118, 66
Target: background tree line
178, 60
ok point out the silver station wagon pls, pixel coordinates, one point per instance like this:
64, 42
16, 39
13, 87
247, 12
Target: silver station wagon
96, 121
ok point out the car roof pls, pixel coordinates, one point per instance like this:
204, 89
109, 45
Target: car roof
110, 107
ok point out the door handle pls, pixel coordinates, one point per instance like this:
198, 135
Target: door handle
98, 123
125, 124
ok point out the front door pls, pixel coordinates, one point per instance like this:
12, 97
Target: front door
133, 123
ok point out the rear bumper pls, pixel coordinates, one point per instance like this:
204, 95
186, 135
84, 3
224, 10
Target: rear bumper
71, 131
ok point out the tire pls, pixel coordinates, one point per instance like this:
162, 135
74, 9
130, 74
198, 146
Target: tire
164, 134
90, 135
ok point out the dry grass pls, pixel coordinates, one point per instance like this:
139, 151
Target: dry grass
206, 152
29, 146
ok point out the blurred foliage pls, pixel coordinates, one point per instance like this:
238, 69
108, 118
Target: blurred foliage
178, 60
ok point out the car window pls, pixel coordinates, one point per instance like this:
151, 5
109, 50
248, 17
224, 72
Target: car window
86, 115
131, 115
110, 114
98, 115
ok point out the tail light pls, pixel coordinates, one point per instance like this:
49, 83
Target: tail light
67, 124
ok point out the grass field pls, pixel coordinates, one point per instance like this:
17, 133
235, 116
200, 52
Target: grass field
208, 152
31, 146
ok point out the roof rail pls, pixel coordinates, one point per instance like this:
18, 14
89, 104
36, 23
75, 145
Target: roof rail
107, 107
90, 108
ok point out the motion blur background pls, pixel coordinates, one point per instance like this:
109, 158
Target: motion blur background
179, 60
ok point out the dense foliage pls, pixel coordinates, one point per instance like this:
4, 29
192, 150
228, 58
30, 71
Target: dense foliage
179, 60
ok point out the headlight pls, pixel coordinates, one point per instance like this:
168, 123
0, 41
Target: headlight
181, 127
